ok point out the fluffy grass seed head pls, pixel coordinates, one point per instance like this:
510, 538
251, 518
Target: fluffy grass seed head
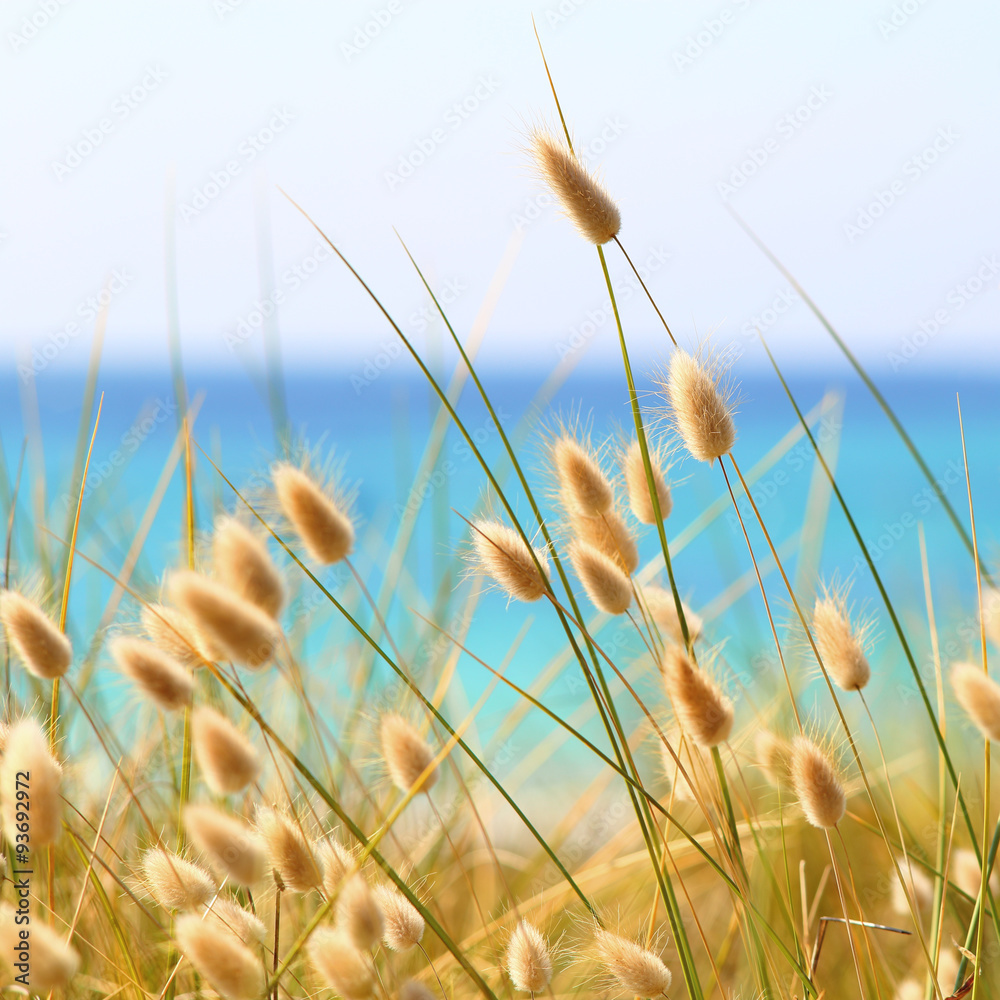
503, 555
335, 860
841, 644
635, 969
288, 851
242, 632
175, 883
967, 874
979, 695
247, 926
701, 407
157, 674
227, 842
605, 582
581, 196
52, 962
232, 969
169, 629
583, 486
817, 783
406, 753
704, 712
413, 989
244, 565
774, 756
528, 960
321, 522
663, 610
404, 926
609, 533
358, 913
340, 965
637, 484
225, 757
27, 749
918, 886
36, 639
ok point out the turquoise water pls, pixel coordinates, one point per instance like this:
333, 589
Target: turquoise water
379, 429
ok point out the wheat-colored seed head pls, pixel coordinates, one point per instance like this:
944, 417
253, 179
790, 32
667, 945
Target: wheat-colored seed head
702, 411
605, 582
705, 713
335, 860
358, 913
840, 645
413, 989
243, 632
979, 695
225, 756
611, 535
27, 749
774, 756
404, 926
991, 614
587, 205
636, 970
231, 968
228, 843
52, 962
406, 753
918, 886
340, 965
39, 644
503, 555
243, 564
288, 852
637, 485
909, 989
323, 526
663, 610
817, 783
176, 884
582, 484
159, 676
247, 926
967, 874
177, 636
528, 960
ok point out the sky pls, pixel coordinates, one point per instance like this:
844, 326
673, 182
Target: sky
858, 139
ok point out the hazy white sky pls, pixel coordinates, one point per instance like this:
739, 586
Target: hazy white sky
859, 138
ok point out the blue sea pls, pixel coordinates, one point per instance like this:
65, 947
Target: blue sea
378, 429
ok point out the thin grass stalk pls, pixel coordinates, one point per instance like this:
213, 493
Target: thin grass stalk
897, 627
984, 869
870, 385
8, 703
